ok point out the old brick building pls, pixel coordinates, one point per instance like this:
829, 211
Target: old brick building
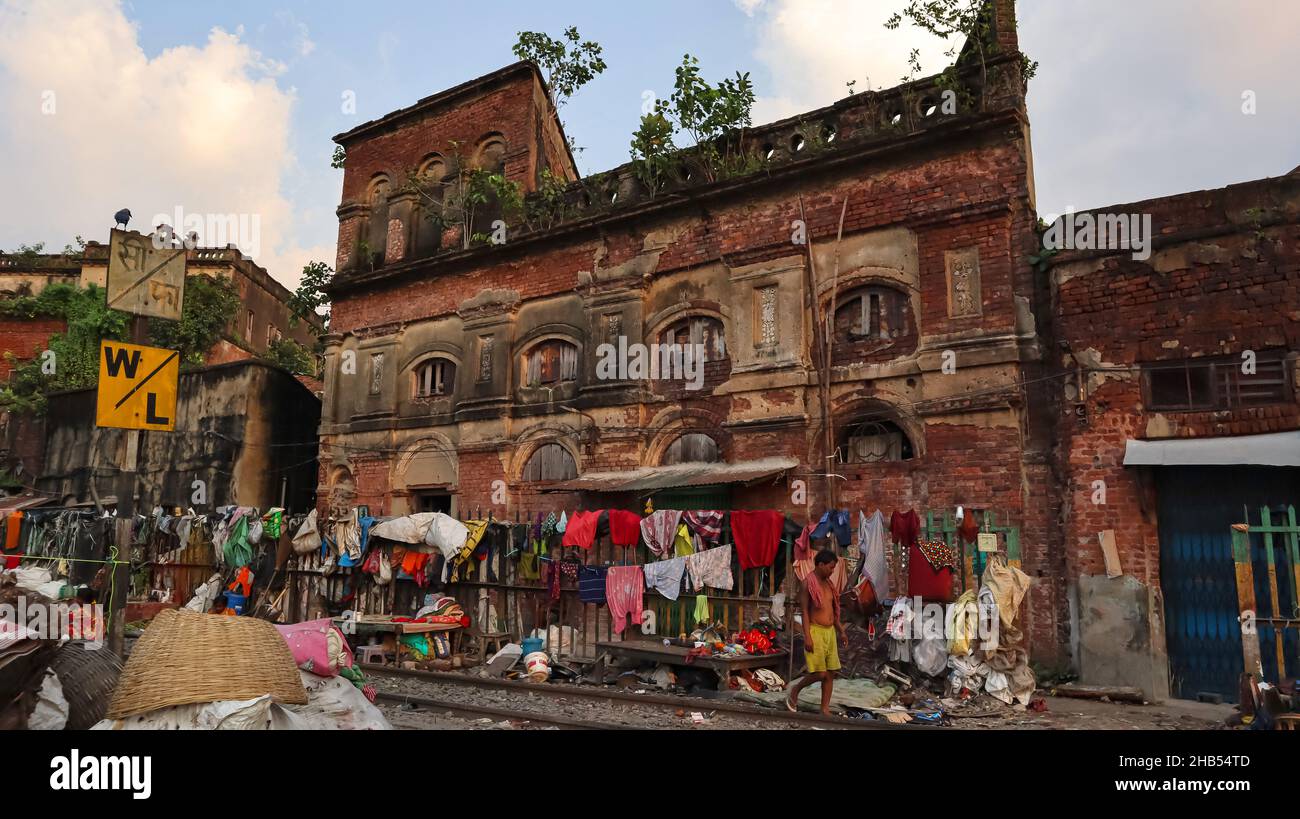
263, 316
1178, 416
963, 371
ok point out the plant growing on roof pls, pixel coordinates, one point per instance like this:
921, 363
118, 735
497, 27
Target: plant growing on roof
568, 63
546, 206
339, 158
971, 20
457, 197
652, 148
713, 116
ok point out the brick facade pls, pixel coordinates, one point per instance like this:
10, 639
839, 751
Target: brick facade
25, 338
983, 380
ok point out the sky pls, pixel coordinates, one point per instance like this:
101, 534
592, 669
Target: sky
229, 107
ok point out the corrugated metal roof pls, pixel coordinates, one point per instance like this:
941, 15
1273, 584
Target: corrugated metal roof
1270, 449
651, 478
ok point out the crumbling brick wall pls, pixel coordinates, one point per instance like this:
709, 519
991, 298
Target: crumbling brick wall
1224, 278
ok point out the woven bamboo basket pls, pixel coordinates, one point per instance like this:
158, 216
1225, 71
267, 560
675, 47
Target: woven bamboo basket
88, 677
184, 657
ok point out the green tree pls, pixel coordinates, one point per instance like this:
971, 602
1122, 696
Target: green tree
310, 294
210, 305
652, 148
712, 116
75, 360
968, 20
465, 192
292, 356
567, 66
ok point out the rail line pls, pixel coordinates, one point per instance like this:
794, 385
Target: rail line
468, 710
622, 697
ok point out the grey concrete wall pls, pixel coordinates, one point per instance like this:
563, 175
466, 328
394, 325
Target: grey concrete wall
1121, 635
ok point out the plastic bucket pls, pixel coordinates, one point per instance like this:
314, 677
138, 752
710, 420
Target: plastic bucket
531, 645
538, 666
236, 601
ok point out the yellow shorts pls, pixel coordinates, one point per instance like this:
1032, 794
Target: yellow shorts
823, 654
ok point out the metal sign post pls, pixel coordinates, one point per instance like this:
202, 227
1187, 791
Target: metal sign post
143, 278
137, 384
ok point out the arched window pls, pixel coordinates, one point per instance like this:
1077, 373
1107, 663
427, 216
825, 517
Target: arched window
874, 441
434, 378
550, 462
553, 361
377, 231
873, 320
701, 330
432, 170
693, 447
872, 313
491, 154
427, 230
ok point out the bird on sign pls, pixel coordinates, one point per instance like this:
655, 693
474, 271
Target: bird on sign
121, 217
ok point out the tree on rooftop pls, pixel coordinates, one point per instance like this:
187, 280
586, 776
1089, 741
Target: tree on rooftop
712, 116
969, 20
568, 66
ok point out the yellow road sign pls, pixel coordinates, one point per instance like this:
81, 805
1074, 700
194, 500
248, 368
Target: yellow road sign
137, 386
145, 278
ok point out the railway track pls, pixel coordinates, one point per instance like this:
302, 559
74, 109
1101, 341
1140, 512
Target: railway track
649, 701
471, 711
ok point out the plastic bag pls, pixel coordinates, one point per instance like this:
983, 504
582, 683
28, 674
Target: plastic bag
307, 539
931, 655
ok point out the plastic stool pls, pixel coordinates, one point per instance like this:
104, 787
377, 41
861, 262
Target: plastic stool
367, 654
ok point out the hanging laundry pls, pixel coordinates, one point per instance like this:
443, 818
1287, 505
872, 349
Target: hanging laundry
444, 533
591, 584
581, 530
13, 525
803, 544
552, 568
702, 615
563, 524
757, 535
528, 566
708, 525
970, 527
835, 521
452, 569
549, 526
665, 576
660, 530
625, 589
683, 545
711, 567
624, 527
905, 527
871, 544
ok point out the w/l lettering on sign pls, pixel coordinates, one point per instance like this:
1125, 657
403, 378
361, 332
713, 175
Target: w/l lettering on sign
137, 387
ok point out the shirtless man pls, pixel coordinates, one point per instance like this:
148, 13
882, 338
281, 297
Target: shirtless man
821, 626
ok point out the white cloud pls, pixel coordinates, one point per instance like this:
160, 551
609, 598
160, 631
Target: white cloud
813, 47
205, 128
